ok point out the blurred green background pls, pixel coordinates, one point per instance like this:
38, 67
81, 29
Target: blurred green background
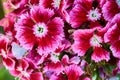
4, 74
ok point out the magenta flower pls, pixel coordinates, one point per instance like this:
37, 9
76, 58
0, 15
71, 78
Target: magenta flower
85, 39
19, 3
39, 29
73, 72
24, 71
8, 61
83, 11
58, 5
112, 36
110, 9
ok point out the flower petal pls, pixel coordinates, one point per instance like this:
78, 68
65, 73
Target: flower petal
100, 54
115, 48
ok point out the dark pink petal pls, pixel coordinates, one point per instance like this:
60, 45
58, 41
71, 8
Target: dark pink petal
36, 76
112, 34
101, 2
116, 19
78, 15
24, 20
55, 34
54, 25
66, 15
34, 57
73, 72
100, 54
95, 24
57, 67
25, 37
24, 64
46, 3
110, 8
115, 48
9, 63
34, 2
40, 14
63, 45
65, 59
87, 4
82, 41
3, 43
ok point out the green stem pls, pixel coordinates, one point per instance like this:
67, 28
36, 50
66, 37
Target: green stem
1, 10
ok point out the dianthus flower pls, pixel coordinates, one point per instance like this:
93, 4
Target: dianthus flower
85, 39
39, 29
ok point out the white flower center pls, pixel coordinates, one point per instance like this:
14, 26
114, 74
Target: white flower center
54, 58
118, 2
56, 3
96, 40
40, 30
94, 15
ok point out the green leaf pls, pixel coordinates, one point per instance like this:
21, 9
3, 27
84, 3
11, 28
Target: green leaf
96, 75
88, 55
2, 30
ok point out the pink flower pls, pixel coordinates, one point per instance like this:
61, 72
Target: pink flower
83, 11
112, 36
73, 72
3, 43
24, 71
35, 57
63, 45
85, 39
54, 67
8, 24
110, 9
8, 61
39, 29
59, 7
19, 3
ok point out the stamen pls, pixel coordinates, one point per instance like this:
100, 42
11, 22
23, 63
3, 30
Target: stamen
94, 15
95, 41
40, 30
56, 3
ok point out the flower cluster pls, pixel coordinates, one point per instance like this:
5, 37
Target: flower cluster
61, 39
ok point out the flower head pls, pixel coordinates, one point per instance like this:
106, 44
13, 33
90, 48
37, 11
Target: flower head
39, 29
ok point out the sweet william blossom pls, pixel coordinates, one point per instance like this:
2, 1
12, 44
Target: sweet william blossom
73, 72
39, 29
85, 39
110, 9
112, 36
82, 12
